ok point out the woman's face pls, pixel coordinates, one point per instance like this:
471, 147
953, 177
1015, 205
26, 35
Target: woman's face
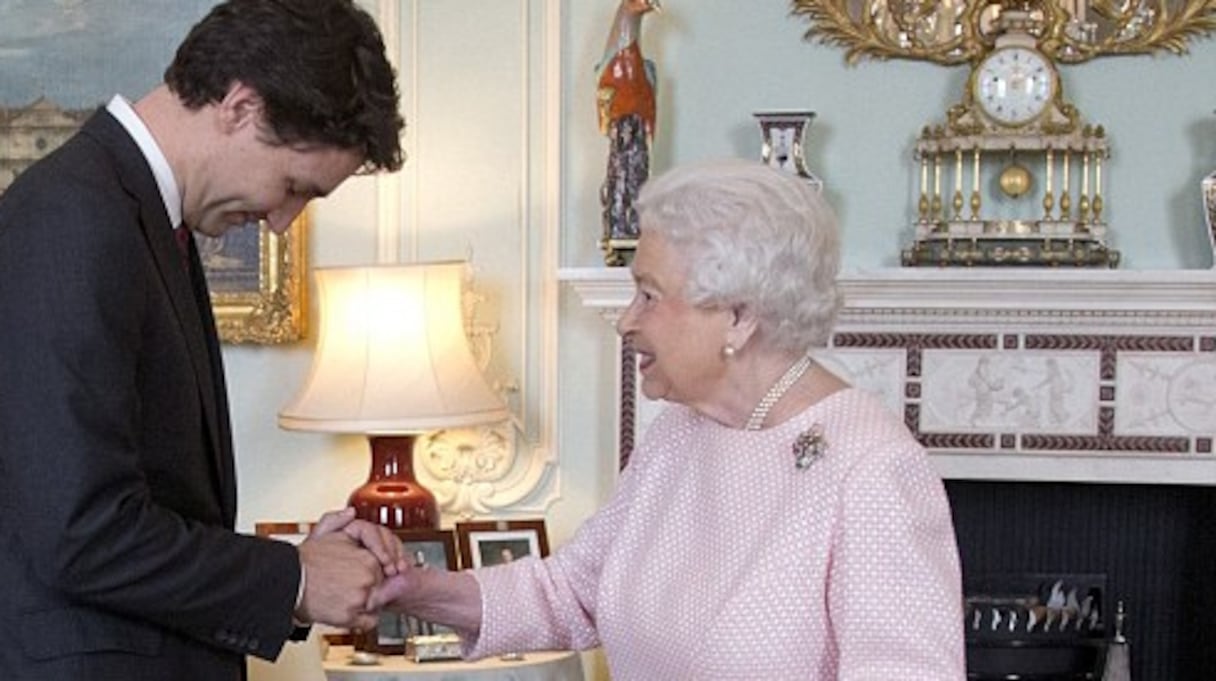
679, 346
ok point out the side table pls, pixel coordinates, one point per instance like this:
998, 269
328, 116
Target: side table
538, 666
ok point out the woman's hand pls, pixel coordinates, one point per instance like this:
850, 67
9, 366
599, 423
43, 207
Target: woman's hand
448, 598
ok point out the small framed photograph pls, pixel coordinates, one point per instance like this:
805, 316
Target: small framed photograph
494, 542
289, 531
427, 549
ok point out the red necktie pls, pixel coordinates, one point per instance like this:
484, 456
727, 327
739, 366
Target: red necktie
182, 234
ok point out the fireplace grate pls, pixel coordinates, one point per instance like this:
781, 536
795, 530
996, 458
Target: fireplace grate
1036, 627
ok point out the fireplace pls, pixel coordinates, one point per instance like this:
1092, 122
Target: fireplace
1155, 545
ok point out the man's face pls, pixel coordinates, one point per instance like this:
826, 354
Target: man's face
264, 182
243, 177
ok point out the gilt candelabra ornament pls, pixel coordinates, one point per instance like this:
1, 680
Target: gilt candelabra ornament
625, 98
952, 32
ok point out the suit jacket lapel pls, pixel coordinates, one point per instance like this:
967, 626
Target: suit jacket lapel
187, 293
212, 382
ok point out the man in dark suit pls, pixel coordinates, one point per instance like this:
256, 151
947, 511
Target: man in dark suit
118, 558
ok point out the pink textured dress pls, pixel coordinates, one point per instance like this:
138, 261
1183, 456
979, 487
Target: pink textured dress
717, 558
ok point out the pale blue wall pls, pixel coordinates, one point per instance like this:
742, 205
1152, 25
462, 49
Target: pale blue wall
475, 86
721, 60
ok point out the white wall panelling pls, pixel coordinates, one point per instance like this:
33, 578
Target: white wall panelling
389, 186
479, 91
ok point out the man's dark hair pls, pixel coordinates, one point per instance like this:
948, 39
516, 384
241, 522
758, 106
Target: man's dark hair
319, 66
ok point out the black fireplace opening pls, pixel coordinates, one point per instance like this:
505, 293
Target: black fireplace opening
1151, 547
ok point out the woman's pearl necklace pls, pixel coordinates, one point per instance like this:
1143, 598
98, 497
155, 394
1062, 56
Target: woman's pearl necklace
775, 393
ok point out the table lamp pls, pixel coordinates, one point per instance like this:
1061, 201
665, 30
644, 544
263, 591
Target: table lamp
392, 362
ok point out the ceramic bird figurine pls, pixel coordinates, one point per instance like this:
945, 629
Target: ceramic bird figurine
625, 99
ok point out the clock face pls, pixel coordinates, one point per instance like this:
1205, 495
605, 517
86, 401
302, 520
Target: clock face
1014, 85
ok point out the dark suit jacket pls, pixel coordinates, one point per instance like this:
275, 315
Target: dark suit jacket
117, 489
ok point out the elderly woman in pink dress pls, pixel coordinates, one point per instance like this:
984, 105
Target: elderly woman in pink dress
774, 522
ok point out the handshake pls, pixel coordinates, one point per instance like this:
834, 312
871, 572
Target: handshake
344, 562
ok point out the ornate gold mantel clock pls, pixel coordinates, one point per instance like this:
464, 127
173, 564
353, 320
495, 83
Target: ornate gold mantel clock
1023, 172
1014, 174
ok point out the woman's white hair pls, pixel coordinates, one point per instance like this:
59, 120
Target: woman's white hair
753, 237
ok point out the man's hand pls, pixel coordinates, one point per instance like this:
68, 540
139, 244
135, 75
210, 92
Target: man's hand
375, 538
342, 561
339, 577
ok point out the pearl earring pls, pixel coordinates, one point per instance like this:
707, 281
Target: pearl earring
728, 351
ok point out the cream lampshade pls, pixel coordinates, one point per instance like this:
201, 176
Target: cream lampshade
392, 362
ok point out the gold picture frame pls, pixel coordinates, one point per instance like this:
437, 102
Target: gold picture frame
258, 283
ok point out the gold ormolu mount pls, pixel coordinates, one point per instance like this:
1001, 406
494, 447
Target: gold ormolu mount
1071, 175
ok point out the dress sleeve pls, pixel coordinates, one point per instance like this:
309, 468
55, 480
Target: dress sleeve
551, 604
895, 586
546, 604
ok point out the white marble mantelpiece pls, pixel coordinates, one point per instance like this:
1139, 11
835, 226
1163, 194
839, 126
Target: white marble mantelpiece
1018, 373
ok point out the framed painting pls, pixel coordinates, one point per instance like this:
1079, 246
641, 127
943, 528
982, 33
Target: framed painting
61, 61
495, 542
64, 60
429, 550
257, 282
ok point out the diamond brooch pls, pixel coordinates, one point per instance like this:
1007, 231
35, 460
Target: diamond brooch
809, 447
